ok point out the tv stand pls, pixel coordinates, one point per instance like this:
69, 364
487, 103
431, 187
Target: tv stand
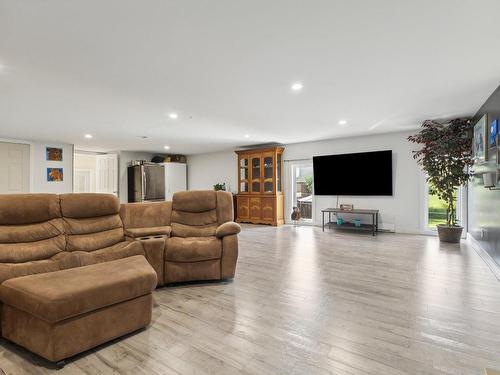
373, 227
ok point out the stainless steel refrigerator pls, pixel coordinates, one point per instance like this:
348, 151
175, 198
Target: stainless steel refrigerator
146, 182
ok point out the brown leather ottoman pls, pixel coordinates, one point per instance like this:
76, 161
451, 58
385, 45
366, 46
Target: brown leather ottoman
59, 314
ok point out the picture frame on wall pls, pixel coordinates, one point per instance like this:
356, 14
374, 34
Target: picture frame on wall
493, 136
53, 154
481, 141
55, 175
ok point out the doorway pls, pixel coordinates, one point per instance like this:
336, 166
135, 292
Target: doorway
302, 191
95, 173
14, 168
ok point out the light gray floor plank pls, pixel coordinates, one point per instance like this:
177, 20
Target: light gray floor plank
308, 302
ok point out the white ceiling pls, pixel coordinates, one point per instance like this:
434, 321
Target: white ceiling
114, 68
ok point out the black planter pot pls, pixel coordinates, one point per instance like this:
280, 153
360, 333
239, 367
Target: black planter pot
449, 234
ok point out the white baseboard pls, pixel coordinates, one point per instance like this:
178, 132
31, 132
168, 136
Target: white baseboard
490, 262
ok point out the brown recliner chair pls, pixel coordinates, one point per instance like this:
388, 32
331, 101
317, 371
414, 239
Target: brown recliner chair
203, 243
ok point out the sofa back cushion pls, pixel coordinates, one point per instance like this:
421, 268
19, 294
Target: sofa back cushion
146, 215
31, 234
91, 221
199, 213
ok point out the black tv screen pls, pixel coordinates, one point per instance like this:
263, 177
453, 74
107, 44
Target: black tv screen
365, 173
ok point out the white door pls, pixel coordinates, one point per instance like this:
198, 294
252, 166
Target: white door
175, 179
82, 180
107, 174
14, 168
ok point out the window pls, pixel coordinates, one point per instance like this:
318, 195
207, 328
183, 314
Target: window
435, 209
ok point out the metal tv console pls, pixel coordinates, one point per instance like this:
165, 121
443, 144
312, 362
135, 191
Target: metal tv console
366, 227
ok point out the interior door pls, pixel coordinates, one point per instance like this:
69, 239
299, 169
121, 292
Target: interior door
107, 174
14, 168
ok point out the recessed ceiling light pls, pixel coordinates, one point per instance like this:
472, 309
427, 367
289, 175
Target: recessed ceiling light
88, 136
297, 86
166, 147
173, 115
343, 122
247, 135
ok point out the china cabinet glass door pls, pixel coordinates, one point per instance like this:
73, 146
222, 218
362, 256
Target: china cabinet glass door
268, 164
255, 164
244, 174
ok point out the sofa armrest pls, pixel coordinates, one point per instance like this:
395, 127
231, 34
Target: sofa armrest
154, 251
149, 231
227, 229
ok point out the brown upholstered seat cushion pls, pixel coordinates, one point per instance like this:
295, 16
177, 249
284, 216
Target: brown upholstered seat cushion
151, 231
64, 294
118, 251
192, 249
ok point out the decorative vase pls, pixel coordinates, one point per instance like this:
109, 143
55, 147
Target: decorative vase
340, 221
450, 234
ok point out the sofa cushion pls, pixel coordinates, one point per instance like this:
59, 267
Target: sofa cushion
192, 249
84, 205
91, 221
145, 215
195, 218
181, 230
118, 251
60, 295
16, 209
60, 261
150, 231
194, 201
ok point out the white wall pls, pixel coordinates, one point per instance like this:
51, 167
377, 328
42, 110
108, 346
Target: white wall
205, 170
124, 159
39, 165
401, 212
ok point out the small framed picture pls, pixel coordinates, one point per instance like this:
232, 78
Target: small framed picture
53, 154
55, 174
493, 133
480, 140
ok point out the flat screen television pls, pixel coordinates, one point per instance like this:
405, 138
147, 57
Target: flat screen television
365, 173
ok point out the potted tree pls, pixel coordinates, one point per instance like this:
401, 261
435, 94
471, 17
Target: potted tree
446, 157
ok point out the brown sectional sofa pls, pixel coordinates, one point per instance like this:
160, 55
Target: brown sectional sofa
200, 237
73, 269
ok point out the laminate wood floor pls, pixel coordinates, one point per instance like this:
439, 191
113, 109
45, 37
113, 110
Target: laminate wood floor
308, 302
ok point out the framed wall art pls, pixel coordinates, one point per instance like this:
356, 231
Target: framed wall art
480, 142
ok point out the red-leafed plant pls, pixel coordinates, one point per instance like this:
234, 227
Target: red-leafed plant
446, 157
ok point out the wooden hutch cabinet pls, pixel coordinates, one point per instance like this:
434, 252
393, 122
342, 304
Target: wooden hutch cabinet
260, 186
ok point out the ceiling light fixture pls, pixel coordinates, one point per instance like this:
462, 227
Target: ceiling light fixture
343, 122
173, 115
297, 86
88, 136
166, 147
247, 135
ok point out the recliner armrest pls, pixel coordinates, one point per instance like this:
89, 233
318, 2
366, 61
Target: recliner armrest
227, 229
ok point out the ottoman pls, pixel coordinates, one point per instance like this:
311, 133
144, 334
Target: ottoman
59, 314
